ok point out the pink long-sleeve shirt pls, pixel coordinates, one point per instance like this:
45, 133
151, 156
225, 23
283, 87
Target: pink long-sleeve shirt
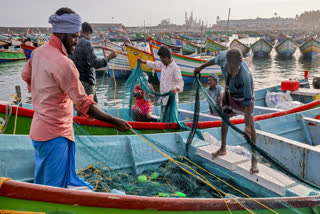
54, 82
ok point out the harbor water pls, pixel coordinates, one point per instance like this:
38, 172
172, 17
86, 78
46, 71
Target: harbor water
266, 72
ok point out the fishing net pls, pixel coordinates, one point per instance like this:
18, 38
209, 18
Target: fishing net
157, 166
168, 180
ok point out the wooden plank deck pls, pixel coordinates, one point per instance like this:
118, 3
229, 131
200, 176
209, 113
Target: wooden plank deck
267, 177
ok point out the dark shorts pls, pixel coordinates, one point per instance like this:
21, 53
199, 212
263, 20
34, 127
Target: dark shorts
232, 105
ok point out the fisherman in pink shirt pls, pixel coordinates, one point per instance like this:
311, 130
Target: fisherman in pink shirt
53, 80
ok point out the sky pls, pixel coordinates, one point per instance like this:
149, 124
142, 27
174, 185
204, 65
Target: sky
35, 13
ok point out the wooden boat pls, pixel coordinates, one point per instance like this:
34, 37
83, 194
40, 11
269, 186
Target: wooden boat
213, 46
304, 95
175, 41
140, 37
270, 38
113, 46
118, 67
173, 48
286, 48
297, 136
310, 48
4, 43
237, 44
134, 53
274, 191
299, 39
189, 47
187, 65
27, 50
261, 48
11, 55
281, 37
242, 36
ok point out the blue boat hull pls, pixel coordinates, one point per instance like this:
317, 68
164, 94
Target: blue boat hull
28, 53
311, 54
260, 54
6, 60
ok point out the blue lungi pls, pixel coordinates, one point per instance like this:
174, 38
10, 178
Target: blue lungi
55, 163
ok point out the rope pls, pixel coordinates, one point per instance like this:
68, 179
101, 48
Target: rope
200, 177
16, 117
3, 179
115, 90
254, 147
228, 184
7, 116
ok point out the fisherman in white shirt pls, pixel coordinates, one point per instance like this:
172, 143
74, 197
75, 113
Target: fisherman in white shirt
171, 78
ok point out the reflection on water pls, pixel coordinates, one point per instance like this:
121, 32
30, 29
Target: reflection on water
310, 64
266, 72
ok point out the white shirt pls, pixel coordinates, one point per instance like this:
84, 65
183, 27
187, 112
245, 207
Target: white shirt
171, 78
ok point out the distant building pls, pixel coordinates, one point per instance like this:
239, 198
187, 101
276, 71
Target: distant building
191, 25
258, 24
191, 22
26, 30
107, 27
164, 22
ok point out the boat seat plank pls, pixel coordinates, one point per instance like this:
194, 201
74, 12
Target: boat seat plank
286, 140
268, 108
309, 119
229, 161
200, 114
273, 180
267, 177
306, 92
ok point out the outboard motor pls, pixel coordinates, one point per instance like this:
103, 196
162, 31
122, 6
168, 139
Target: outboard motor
316, 82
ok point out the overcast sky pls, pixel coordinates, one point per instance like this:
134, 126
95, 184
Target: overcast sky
134, 12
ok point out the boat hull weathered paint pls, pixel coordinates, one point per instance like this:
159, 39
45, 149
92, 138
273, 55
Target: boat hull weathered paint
281, 37
118, 67
213, 46
173, 48
19, 196
237, 44
261, 48
190, 48
10, 56
27, 50
269, 38
311, 48
299, 39
134, 53
286, 48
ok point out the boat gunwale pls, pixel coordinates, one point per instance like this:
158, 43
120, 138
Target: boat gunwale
41, 193
160, 125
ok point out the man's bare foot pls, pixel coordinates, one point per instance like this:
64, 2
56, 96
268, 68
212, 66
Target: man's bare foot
218, 153
254, 170
254, 166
